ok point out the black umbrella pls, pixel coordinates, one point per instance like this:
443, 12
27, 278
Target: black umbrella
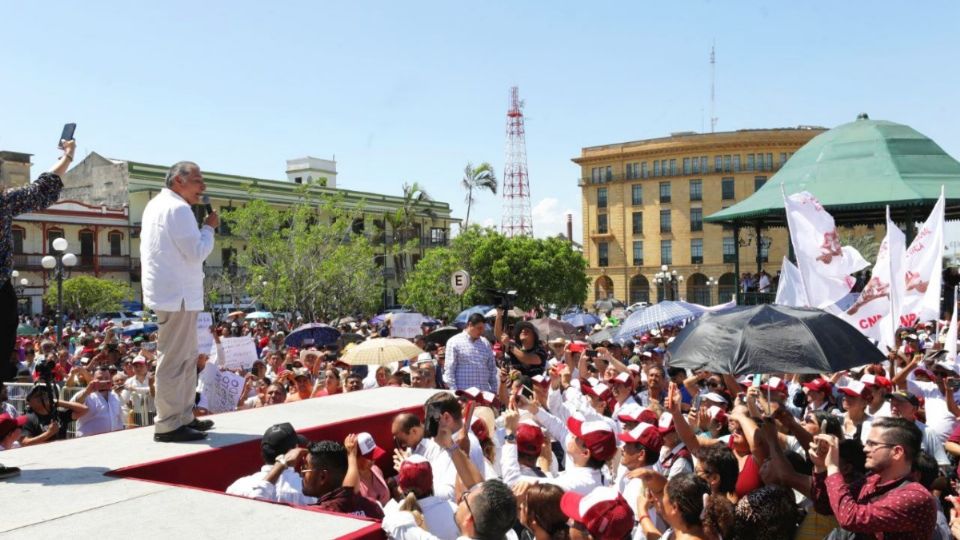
440, 336
771, 339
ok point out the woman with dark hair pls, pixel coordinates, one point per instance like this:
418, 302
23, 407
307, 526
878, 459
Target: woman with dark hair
538, 510
718, 466
523, 351
690, 510
768, 512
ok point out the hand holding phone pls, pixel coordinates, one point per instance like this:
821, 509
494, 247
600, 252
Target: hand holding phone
66, 134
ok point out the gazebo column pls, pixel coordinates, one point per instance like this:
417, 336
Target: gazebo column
759, 238
736, 261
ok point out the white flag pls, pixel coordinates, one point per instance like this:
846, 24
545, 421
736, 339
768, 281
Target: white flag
790, 291
950, 342
824, 265
922, 269
872, 313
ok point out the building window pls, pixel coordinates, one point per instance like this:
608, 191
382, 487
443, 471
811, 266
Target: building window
600, 175
602, 223
638, 253
764, 253
656, 167
696, 165
643, 170
696, 251
115, 238
726, 164
664, 192
769, 162
717, 163
665, 225
18, 236
750, 162
729, 249
673, 167
758, 182
696, 190
727, 189
783, 158
686, 165
760, 166
53, 234
602, 198
438, 236
736, 163
636, 194
638, 223
602, 249
703, 164
633, 170
224, 227
666, 252
696, 219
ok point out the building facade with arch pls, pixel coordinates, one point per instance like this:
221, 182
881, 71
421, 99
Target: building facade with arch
643, 204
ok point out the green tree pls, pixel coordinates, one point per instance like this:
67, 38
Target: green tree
866, 243
86, 295
480, 178
405, 224
542, 271
306, 257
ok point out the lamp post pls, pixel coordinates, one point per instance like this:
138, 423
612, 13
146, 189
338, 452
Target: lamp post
711, 283
666, 278
19, 289
58, 262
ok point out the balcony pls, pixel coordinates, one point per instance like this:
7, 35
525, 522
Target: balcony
609, 178
600, 234
105, 263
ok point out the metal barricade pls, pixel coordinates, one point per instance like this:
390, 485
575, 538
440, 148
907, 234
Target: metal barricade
138, 414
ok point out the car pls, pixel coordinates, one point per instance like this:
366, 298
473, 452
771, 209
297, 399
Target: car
116, 317
637, 306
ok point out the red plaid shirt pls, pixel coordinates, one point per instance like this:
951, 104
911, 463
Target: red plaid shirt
888, 511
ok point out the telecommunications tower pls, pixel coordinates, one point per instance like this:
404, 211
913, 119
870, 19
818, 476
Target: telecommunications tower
517, 218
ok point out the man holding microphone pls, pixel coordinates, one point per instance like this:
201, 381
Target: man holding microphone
172, 251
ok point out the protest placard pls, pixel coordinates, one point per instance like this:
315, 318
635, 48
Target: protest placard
405, 325
225, 394
238, 352
204, 337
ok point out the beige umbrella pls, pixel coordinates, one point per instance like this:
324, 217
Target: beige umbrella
381, 351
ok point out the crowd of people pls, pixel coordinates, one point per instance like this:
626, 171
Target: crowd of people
556, 439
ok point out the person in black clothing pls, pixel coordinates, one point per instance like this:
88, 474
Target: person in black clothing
43, 423
323, 477
523, 352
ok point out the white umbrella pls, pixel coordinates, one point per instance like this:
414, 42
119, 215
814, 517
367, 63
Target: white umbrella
513, 313
260, 315
381, 351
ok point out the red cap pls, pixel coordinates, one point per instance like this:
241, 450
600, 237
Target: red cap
873, 381
8, 423
604, 512
855, 389
645, 434
623, 378
264, 342
818, 385
368, 447
599, 390
665, 423
415, 475
529, 438
541, 380
717, 414
774, 384
475, 394
597, 436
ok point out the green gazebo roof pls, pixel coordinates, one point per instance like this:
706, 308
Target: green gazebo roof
856, 170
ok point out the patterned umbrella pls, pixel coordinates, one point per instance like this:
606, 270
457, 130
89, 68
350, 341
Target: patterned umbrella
552, 329
659, 314
582, 319
607, 334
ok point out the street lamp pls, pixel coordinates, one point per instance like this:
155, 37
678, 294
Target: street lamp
665, 278
58, 262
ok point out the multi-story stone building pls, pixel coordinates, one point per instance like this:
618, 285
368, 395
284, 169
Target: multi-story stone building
643, 207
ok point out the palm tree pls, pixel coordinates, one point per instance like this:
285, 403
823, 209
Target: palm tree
481, 177
404, 224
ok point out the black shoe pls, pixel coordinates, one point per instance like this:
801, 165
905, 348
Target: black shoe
181, 434
201, 425
8, 472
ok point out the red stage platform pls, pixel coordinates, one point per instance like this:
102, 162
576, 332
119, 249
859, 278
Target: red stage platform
123, 485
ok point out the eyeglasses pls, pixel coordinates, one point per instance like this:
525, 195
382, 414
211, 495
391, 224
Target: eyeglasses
303, 472
875, 444
463, 498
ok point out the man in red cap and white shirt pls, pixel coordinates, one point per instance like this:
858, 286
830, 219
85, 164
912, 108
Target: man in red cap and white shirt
675, 456
879, 406
602, 514
641, 450
416, 477
521, 448
818, 393
856, 422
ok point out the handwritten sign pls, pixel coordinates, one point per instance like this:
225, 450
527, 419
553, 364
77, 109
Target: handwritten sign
204, 337
225, 393
406, 325
238, 352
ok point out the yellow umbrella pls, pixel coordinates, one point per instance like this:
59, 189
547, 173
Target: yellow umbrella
381, 351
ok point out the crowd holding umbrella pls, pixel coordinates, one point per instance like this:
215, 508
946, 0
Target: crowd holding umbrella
665, 313
318, 334
381, 351
582, 320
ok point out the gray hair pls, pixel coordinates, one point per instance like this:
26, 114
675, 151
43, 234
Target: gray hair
181, 169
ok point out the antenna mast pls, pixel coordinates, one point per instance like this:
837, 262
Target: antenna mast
517, 217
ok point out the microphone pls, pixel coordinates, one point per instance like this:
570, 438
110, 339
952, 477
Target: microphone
206, 204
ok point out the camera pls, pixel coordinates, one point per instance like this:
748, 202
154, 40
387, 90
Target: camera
502, 298
431, 421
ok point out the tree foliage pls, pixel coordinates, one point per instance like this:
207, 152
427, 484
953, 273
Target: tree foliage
86, 295
542, 271
404, 239
306, 257
480, 178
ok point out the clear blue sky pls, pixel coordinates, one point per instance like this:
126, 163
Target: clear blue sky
412, 91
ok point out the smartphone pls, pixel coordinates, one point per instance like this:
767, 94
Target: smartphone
150, 346
67, 133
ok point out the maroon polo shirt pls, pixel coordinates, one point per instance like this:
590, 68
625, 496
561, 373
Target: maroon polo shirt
345, 501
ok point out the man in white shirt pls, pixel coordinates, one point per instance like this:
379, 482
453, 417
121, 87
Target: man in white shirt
416, 477
104, 409
172, 251
278, 479
138, 392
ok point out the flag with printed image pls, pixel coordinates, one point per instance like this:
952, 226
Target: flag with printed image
922, 268
824, 265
